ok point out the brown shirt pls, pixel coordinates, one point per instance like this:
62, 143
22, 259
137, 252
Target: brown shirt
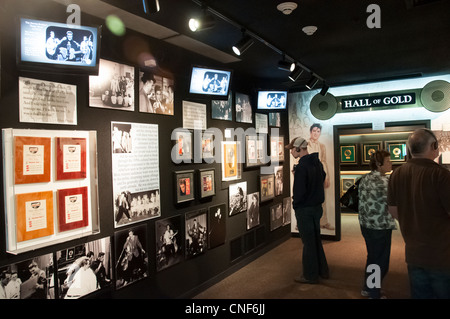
420, 189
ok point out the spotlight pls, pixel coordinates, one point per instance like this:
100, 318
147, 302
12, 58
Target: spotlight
285, 65
295, 74
150, 6
242, 45
325, 88
199, 24
312, 82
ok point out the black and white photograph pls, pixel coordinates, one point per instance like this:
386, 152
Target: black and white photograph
28, 279
244, 112
253, 210
278, 172
196, 233
113, 87
276, 216
169, 244
84, 269
131, 263
287, 210
275, 119
121, 138
217, 225
222, 109
156, 93
261, 123
238, 198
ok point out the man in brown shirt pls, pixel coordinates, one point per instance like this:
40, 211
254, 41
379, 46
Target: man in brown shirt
419, 197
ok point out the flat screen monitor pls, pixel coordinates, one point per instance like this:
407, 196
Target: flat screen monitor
272, 100
58, 47
210, 82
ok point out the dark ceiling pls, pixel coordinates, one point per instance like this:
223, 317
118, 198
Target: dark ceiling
413, 38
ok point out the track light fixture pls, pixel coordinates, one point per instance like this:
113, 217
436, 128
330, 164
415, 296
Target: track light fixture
285, 65
150, 6
325, 88
205, 22
295, 74
242, 45
312, 82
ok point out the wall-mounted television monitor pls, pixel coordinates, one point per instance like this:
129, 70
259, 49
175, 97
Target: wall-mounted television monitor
58, 47
272, 100
210, 82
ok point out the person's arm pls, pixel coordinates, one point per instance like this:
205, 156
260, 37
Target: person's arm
393, 211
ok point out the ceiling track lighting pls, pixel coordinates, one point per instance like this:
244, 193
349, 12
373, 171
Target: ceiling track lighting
205, 22
243, 44
150, 6
325, 88
295, 74
285, 65
312, 82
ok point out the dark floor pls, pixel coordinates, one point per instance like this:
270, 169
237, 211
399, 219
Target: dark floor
271, 276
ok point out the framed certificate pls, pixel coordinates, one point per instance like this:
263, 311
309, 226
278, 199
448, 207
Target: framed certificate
72, 208
231, 166
70, 158
348, 154
34, 215
369, 149
32, 159
397, 149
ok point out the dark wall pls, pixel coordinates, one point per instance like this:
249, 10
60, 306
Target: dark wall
177, 281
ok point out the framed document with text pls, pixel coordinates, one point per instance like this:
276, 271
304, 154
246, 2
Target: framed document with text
72, 208
70, 158
32, 159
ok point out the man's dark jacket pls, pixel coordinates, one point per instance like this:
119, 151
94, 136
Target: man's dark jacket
309, 177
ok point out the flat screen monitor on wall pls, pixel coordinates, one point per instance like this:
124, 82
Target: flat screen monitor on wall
210, 82
272, 100
58, 47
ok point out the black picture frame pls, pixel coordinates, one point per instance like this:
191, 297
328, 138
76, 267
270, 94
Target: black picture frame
217, 226
184, 186
266, 187
207, 182
255, 146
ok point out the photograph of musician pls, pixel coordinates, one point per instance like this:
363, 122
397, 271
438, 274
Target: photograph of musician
217, 225
132, 262
168, 246
196, 235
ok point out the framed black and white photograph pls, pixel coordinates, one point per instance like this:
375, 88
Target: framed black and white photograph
238, 198
182, 150
369, 149
131, 263
169, 242
184, 186
84, 269
196, 232
287, 210
275, 119
207, 182
278, 172
28, 279
244, 112
222, 109
255, 146
277, 148
261, 123
253, 210
217, 225
276, 216
113, 87
266, 187
156, 93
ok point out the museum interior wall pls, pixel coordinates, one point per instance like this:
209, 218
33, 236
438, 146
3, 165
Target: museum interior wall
152, 274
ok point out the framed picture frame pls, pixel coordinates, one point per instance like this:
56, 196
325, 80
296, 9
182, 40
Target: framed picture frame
207, 145
254, 150
217, 225
287, 210
397, 149
231, 165
261, 123
222, 109
266, 187
183, 147
278, 172
276, 216
346, 183
244, 113
207, 182
368, 149
277, 148
184, 186
275, 119
169, 242
196, 230
237, 198
70, 158
347, 154
253, 218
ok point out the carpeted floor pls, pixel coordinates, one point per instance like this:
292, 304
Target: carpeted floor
271, 276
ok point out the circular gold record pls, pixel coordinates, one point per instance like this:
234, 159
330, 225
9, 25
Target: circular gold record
435, 96
323, 107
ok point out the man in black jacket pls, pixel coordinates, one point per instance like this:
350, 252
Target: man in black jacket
308, 196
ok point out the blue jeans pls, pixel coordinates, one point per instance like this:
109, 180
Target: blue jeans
313, 257
378, 244
428, 283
